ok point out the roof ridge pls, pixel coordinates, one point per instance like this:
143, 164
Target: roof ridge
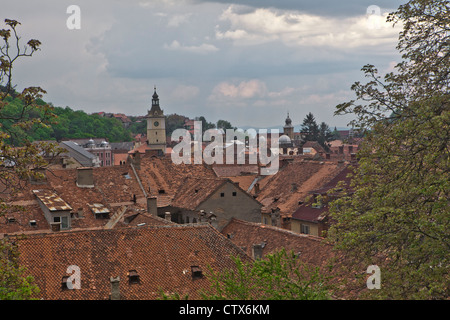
49, 232
261, 225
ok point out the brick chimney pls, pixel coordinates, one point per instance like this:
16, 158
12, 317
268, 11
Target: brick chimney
85, 177
115, 289
152, 206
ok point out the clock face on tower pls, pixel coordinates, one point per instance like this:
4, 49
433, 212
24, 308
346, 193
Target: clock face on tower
156, 123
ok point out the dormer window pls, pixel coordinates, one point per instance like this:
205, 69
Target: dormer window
133, 277
196, 272
64, 283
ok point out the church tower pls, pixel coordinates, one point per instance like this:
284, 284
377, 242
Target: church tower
156, 126
288, 128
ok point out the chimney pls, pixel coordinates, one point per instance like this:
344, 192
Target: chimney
115, 290
257, 251
168, 216
257, 188
328, 156
341, 149
152, 206
85, 177
350, 149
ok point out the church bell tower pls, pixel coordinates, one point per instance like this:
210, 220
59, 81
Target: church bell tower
156, 126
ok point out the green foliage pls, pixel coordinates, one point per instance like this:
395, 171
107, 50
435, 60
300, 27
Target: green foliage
205, 124
279, 276
173, 122
223, 124
14, 283
66, 123
398, 215
314, 132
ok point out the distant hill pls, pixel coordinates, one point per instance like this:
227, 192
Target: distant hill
69, 124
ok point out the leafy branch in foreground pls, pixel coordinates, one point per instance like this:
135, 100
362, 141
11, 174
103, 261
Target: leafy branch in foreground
398, 215
279, 276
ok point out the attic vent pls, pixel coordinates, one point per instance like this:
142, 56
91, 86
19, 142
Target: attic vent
161, 191
230, 235
11, 219
126, 175
133, 277
33, 223
196, 272
141, 224
196, 191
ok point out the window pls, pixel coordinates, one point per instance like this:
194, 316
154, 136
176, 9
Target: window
196, 272
222, 195
64, 283
63, 220
234, 194
304, 228
64, 223
133, 277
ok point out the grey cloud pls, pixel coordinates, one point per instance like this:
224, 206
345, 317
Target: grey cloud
319, 7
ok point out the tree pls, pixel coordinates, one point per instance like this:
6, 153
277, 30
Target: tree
223, 124
398, 214
325, 135
205, 124
279, 276
173, 122
14, 284
18, 164
310, 128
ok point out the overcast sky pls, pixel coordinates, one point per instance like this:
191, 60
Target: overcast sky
248, 62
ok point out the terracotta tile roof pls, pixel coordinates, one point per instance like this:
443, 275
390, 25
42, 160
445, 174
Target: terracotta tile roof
278, 191
308, 213
193, 191
113, 188
17, 219
341, 176
162, 256
142, 218
313, 249
315, 145
234, 170
160, 174
51, 200
244, 181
